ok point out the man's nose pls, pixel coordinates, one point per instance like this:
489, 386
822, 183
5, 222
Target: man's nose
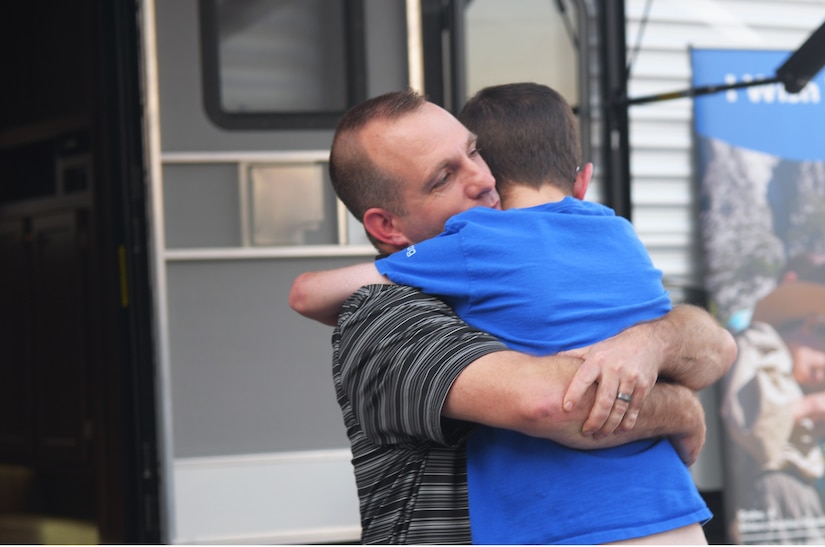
481, 184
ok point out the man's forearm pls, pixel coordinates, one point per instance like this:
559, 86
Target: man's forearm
672, 411
697, 350
499, 388
514, 391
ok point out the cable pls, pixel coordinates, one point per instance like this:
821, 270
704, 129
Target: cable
567, 25
637, 47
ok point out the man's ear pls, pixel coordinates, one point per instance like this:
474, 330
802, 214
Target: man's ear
380, 223
582, 180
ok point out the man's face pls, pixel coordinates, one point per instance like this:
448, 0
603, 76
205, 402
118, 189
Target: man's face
442, 172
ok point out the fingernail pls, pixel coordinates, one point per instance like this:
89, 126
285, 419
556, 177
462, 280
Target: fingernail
568, 405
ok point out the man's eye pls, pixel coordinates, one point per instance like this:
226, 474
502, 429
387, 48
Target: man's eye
445, 178
475, 151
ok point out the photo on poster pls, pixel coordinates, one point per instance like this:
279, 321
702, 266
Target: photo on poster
761, 172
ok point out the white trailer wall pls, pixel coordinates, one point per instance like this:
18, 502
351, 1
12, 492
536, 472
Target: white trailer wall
661, 133
661, 162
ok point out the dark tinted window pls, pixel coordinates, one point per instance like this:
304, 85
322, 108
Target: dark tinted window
281, 63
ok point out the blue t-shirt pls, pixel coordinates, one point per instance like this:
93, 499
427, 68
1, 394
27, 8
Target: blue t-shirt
546, 279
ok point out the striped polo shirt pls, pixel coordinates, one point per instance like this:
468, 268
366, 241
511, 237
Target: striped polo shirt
396, 352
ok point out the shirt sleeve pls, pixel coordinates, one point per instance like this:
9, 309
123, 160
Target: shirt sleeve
399, 352
436, 266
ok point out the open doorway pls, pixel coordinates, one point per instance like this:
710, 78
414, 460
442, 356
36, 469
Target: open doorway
76, 395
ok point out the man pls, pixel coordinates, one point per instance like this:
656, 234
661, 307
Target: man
774, 411
410, 375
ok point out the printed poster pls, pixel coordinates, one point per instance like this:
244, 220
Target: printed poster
761, 171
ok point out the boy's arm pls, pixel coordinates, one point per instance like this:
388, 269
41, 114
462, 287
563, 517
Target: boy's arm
320, 295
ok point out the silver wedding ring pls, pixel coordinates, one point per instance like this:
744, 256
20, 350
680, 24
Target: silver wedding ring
624, 397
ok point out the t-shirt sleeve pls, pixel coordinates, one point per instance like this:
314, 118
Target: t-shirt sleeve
437, 266
399, 352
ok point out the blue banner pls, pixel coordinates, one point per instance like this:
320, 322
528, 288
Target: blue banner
764, 118
761, 169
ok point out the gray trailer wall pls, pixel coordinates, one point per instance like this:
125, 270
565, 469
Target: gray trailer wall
254, 444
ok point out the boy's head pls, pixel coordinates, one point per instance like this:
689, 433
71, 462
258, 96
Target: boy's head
527, 135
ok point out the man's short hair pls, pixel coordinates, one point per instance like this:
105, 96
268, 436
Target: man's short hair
359, 183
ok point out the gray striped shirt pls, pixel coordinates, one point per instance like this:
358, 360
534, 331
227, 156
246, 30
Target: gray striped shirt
396, 352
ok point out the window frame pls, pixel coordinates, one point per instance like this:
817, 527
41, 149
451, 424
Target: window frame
355, 70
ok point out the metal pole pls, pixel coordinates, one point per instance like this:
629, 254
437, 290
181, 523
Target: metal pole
615, 131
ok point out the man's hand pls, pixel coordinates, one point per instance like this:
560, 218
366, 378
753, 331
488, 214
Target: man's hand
626, 364
687, 346
688, 438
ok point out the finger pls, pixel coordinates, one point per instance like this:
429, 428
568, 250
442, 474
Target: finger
634, 408
624, 413
629, 420
631, 413
616, 417
688, 447
585, 376
603, 407
625, 395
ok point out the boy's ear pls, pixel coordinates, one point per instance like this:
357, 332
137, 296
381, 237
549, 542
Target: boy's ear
582, 180
380, 223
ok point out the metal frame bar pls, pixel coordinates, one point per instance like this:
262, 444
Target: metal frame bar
158, 265
615, 130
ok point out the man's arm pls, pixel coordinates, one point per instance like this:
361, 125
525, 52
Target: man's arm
514, 391
699, 349
389, 338
686, 346
320, 295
